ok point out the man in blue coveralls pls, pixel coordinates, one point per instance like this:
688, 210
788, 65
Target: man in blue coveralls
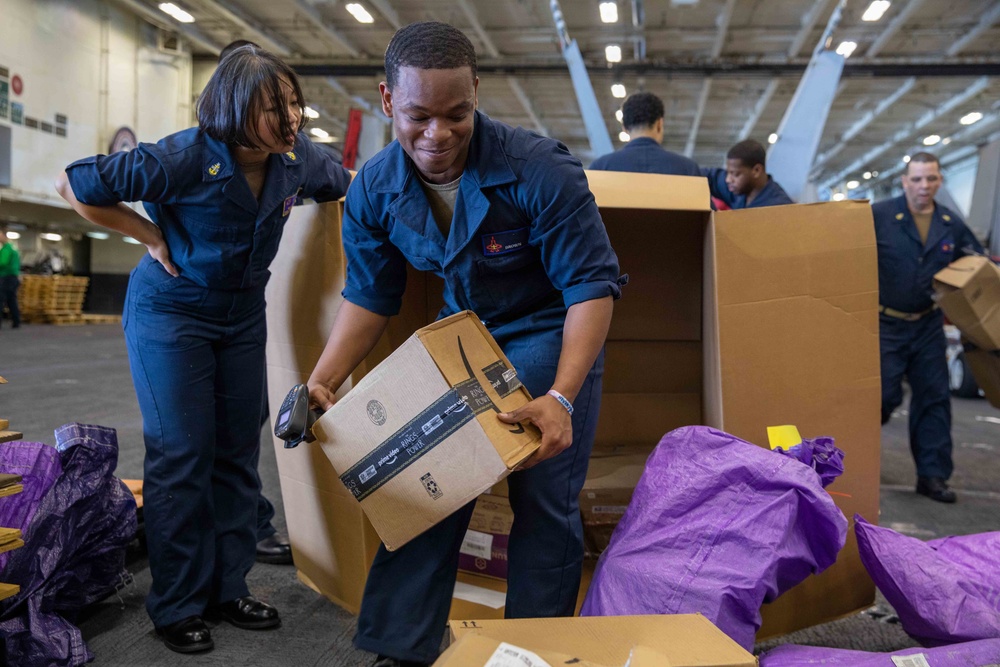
642, 118
918, 237
745, 183
506, 218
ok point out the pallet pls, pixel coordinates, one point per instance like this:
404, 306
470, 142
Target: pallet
10, 436
8, 590
4, 424
90, 318
11, 490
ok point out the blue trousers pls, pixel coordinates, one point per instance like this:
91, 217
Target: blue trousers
197, 362
916, 350
408, 592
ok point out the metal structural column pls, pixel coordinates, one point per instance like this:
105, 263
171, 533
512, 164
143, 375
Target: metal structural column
790, 158
984, 214
593, 119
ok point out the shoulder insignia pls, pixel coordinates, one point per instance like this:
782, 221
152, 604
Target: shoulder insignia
291, 155
899, 216
214, 169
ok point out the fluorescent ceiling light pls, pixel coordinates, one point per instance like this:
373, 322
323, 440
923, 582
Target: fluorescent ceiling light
310, 112
875, 10
874, 173
100, 236
618, 90
838, 196
619, 115
970, 118
931, 139
13, 236
129, 239
851, 185
49, 236
623, 136
906, 159
176, 12
946, 141
773, 137
360, 13
609, 12
867, 175
613, 53
846, 49
317, 132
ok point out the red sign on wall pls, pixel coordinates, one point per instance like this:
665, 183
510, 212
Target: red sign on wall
16, 84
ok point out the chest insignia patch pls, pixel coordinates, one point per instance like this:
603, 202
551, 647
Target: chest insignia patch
214, 169
286, 207
947, 247
947, 218
899, 216
291, 155
501, 243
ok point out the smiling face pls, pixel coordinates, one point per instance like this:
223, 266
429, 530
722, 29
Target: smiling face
433, 112
921, 183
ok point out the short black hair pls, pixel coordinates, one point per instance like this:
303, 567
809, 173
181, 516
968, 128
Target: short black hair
247, 83
922, 156
641, 110
428, 45
232, 46
749, 152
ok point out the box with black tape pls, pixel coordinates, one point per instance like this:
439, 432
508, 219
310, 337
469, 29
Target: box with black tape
418, 437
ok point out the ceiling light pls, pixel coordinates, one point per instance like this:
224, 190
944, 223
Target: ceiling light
970, 118
310, 112
176, 12
851, 185
618, 90
867, 175
875, 10
13, 236
100, 236
619, 115
360, 13
946, 141
623, 136
846, 49
129, 239
839, 196
609, 12
48, 236
931, 139
771, 138
613, 53
906, 159
874, 174
317, 132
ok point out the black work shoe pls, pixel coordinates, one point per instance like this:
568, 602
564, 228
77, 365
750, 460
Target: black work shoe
248, 613
383, 661
190, 635
275, 550
935, 488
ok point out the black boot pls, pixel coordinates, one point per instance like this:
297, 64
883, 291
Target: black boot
248, 613
189, 635
935, 488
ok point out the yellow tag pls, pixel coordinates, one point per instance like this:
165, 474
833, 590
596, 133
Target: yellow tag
947, 218
785, 437
899, 216
291, 155
214, 169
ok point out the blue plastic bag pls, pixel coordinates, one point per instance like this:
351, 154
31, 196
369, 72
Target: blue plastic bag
717, 526
969, 654
74, 552
944, 591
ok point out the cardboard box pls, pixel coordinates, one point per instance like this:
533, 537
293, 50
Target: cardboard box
607, 491
986, 369
968, 291
475, 650
418, 437
484, 550
684, 640
739, 320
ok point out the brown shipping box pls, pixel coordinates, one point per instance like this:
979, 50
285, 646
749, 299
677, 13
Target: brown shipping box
683, 640
479, 651
484, 549
739, 320
986, 369
418, 437
607, 491
968, 291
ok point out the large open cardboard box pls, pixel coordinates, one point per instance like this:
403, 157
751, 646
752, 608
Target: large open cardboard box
738, 319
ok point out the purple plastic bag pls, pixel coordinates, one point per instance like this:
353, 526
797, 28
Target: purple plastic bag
821, 455
39, 467
74, 552
944, 591
969, 654
716, 526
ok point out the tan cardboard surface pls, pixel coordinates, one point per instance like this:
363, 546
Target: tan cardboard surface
476, 651
641, 419
669, 367
609, 486
686, 640
986, 369
969, 294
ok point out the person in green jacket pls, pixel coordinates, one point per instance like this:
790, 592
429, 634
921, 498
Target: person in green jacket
10, 269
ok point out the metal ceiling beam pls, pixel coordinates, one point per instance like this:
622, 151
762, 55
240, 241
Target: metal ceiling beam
985, 23
893, 27
388, 12
160, 20
529, 108
250, 26
330, 34
722, 23
356, 100
979, 86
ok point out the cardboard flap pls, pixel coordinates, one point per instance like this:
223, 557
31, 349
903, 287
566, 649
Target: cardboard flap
616, 189
961, 271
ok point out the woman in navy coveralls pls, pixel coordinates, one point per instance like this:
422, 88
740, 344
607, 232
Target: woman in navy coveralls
218, 196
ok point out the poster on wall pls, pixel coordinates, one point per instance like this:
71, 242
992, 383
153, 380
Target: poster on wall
16, 113
4, 99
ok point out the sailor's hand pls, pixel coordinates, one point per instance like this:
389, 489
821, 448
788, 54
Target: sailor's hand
552, 420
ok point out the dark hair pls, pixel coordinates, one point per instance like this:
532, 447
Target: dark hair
641, 110
247, 83
922, 156
232, 46
749, 152
428, 45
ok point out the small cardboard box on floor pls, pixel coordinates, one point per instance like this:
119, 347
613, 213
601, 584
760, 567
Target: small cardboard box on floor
736, 319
